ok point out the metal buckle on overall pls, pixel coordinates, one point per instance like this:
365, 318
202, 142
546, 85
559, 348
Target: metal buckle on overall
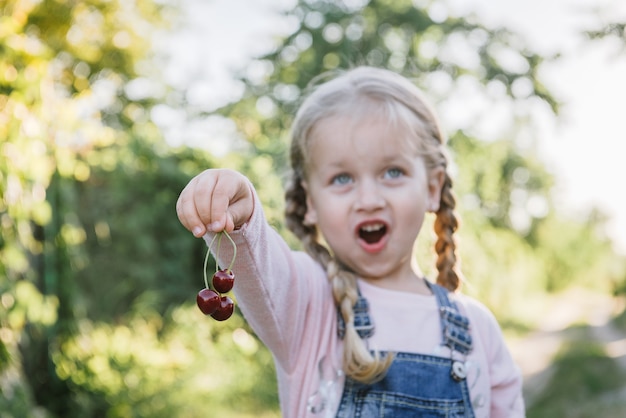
456, 330
456, 337
362, 320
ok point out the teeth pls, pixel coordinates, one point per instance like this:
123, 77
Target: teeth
372, 227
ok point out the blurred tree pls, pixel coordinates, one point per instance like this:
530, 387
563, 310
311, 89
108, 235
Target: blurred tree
98, 278
438, 51
616, 30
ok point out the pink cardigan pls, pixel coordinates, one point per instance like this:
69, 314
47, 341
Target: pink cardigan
286, 298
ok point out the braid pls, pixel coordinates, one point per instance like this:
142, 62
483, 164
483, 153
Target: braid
295, 210
446, 224
359, 363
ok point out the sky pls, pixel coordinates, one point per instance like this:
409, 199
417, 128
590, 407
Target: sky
584, 148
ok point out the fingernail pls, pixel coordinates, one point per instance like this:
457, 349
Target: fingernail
197, 231
214, 226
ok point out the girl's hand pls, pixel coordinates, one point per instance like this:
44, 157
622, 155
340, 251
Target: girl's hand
215, 200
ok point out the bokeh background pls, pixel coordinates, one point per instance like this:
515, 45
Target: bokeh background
108, 108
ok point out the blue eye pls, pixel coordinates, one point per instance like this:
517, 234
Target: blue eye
393, 173
341, 179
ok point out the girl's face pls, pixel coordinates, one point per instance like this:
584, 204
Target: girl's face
368, 192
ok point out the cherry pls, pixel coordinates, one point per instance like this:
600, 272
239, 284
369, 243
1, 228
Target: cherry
223, 280
212, 302
225, 310
208, 301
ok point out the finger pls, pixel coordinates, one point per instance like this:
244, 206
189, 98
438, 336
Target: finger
239, 210
187, 213
222, 193
196, 204
240, 200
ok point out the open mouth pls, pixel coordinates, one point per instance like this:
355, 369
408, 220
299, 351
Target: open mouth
372, 233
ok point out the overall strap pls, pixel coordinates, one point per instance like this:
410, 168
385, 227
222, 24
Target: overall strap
454, 325
362, 319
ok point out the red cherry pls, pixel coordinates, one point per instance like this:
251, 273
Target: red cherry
225, 310
223, 280
208, 301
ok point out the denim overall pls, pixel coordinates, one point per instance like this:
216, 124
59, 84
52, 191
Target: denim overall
416, 385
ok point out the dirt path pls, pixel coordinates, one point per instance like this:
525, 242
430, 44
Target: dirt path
534, 352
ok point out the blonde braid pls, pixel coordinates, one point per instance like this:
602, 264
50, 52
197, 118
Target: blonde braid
358, 363
446, 224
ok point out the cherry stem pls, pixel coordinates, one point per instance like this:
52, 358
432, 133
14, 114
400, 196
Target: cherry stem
208, 253
206, 262
230, 266
217, 252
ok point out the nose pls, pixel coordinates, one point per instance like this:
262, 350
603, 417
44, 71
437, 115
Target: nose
369, 197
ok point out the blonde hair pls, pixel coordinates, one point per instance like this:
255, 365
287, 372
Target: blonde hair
399, 101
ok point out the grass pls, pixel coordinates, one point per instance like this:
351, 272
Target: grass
620, 321
585, 383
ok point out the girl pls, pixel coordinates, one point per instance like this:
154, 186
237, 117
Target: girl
355, 328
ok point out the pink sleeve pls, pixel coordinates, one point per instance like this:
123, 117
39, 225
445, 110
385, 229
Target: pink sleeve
271, 286
505, 377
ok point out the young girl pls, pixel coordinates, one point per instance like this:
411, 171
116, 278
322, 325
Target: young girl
355, 328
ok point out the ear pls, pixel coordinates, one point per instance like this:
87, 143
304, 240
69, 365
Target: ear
310, 217
436, 178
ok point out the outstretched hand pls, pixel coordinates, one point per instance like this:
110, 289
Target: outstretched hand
215, 200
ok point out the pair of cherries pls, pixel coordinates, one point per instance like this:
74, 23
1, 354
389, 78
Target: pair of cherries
212, 301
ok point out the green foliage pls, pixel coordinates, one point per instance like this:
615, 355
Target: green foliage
582, 373
131, 210
496, 181
620, 321
177, 365
97, 274
559, 246
611, 30
397, 35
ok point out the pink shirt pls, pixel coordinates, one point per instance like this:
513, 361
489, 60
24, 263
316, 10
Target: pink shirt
286, 298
